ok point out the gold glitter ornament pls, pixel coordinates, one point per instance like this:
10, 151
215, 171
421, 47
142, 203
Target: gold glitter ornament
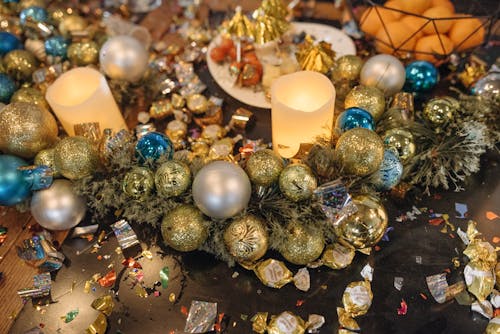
46, 158
20, 64
172, 178
365, 227
440, 110
72, 23
75, 157
264, 167
400, 141
368, 98
83, 53
26, 129
138, 183
184, 228
30, 95
347, 68
297, 182
360, 151
302, 244
246, 238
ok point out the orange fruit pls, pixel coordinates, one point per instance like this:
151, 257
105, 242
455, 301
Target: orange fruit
442, 26
444, 3
431, 45
416, 6
394, 4
466, 33
414, 24
394, 36
372, 18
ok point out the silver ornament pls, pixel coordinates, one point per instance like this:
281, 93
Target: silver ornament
385, 72
58, 207
123, 58
488, 86
221, 189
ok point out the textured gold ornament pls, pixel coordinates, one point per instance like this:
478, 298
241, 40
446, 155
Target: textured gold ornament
365, 227
302, 244
368, 98
72, 23
264, 167
402, 142
30, 95
297, 182
440, 110
347, 68
75, 157
360, 151
138, 183
26, 129
20, 64
46, 158
246, 238
172, 178
83, 53
184, 228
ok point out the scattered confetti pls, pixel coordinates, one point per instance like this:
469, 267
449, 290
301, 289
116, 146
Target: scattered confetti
367, 272
300, 302
70, 316
140, 291
423, 295
147, 254
171, 297
462, 210
108, 280
463, 236
403, 309
164, 277
184, 310
398, 283
484, 308
235, 274
201, 317
491, 215
386, 234
418, 259
104, 304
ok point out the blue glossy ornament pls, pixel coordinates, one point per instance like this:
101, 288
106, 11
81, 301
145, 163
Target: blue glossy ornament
9, 42
389, 173
421, 76
13, 186
7, 88
56, 46
355, 118
152, 146
33, 13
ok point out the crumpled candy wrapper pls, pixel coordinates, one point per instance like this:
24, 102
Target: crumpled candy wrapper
286, 323
201, 317
259, 322
357, 298
440, 290
484, 308
346, 320
335, 200
125, 234
482, 253
479, 282
99, 326
314, 323
273, 273
104, 304
337, 256
493, 326
302, 279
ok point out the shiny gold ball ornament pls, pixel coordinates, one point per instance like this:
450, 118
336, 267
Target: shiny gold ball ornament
347, 68
368, 98
184, 228
264, 167
246, 238
302, 244
172, 178
400, 141
83, 53
297, 182
365, 227
138, 183
360, 151
75, 157
440, 110
30, 95
26, 129
46, 158
72, 23
20, 64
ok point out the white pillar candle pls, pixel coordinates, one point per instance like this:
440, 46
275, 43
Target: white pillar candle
302, 108
82, 95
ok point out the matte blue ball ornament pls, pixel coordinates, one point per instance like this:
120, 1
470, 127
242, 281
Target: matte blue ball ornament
14, 187
421, 76
355, 118
33, 13
389, 173
56, 46
7, 88
9, 42
152, 146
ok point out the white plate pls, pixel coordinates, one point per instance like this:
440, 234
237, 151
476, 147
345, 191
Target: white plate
341, 44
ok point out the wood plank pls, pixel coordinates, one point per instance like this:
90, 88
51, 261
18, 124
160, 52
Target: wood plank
15, 222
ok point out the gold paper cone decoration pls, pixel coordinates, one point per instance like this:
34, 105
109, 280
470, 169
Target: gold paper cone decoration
268, 28
274, 8
240, 26
315, 57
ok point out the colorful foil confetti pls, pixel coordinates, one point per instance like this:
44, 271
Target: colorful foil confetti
201, 317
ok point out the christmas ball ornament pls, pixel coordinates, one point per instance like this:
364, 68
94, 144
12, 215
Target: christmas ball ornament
20, 64
46, 158
354, 118
347, 68
184, 228
58, 207
30, 95
56, 46
421, 76
440, 110
83, 53
368, 98
390, 172
7, 88
246, 239
123, 58
173, 178
365, 227
264, 167
297, 182
75, 157
302, 244
71, 23
385, 72
33, 14
360, 151
26, 129
14, 187
400, 141
488, 86
152, 146
138, 183
8, 42
221, 189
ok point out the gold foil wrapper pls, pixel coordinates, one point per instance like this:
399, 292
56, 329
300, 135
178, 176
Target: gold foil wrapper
273, 273
472, 72
346, 331
178, 102
240, 119
346, 321
99, 326
286, 323
472, 232
161, 109
357, 298
197, 103
337, 256
213, 116
482, 253
497, 274
493, 326
259, 322
104, 304
479, 282
315, 57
